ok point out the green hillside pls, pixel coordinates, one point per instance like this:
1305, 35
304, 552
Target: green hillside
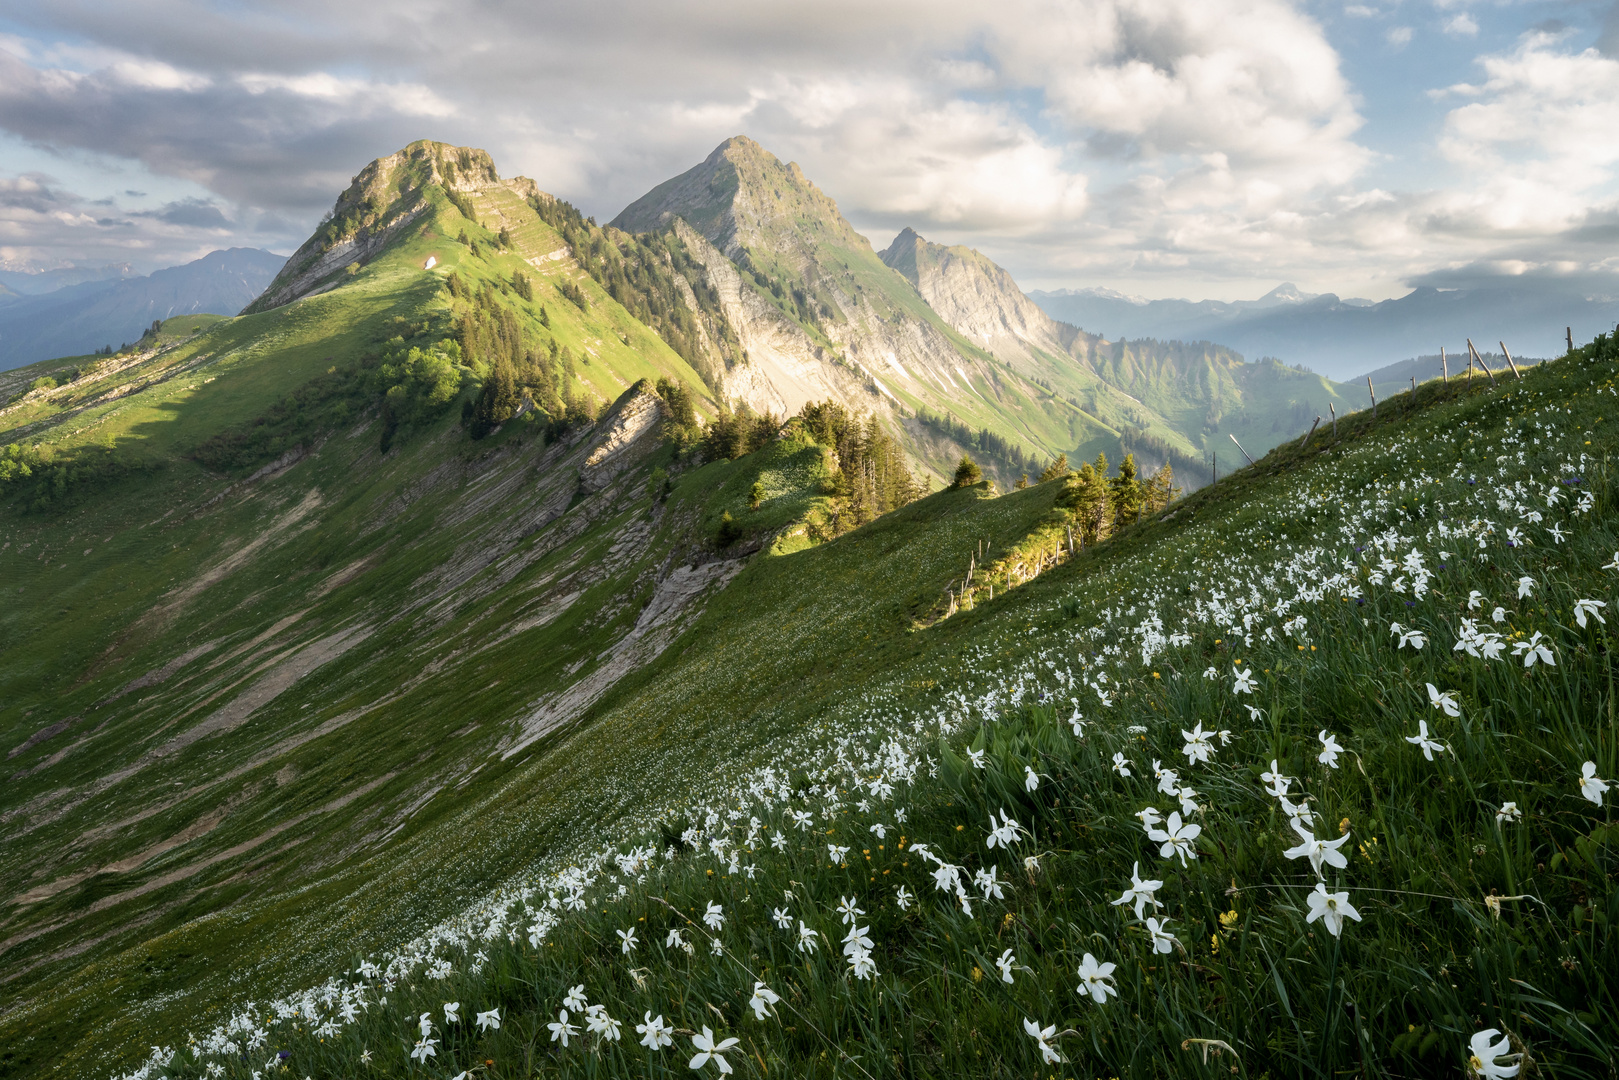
301, 677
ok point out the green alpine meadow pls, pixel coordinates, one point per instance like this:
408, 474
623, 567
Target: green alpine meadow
705, 644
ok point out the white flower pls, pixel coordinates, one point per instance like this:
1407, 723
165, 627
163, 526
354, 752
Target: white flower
1329, 750
988, 881
1199, 744
716, 946
1582, 608
674, 940
1140, 893
1482, 1055
1318, 851
1031, 779
1167, 778
1212, 673
1526, 585
1331, 908
836, 853
1474, 600
576, 999
426, 1022
1557, 532
1612, 565
977, 757
1498, 615
714, 917
1591, 787
763, 998
1048, 1053
1421, 739
654, 1032
1508, 814
561, 1030
1149, 817
1121, 766
1096, 980
1031, 865
783, 918
1245, 682
862, 965
627, 939
1176, 838
601, 1024
425, 1048
847, 910
904, 898
452, 1012
1162, 940
880, 830
1006, 963
1534, 651
806, 938
709, 1050
1446, 701
1275, 783
1415, 638
1003, 834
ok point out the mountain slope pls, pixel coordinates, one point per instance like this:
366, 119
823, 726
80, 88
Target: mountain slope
86, 316
1348, 338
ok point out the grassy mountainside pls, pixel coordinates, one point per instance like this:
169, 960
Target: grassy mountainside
804, 756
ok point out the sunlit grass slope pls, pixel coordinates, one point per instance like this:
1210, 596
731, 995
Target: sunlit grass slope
1390, 651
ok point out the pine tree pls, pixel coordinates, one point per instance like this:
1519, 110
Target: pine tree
1057, 470
967, 473
497, 402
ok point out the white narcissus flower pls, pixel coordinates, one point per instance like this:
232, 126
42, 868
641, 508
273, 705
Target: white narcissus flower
783, 918
1591, 787
1421, 739
1445, 700
1199, 746
425, 1048
1245, 681
452, 1012
806, 938
1005, 963
627, 940
601, 1024
1042, 1035
1474, 600
1031, 779
1120, 765
1319, 852
763, 998
576, 999
709, 1050
847, 910
1614, 565
1096, 980
1329, 749
489, 1021
1534, 651
1176, 838
1331, 908
1482, 1055
1526, 585
1593, 608
1508, 814
1140, 893
1162, 940
561, 1030
904, 898
1275, 783
714, 917
655, 1034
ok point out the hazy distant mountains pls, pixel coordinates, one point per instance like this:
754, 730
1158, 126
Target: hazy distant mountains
78, 311
1343, 338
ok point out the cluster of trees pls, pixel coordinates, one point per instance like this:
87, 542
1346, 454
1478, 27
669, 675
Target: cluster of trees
640, 272
871, 477
1102, 504
985, 442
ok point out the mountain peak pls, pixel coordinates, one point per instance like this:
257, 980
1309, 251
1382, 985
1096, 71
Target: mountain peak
382, 198
743, 196
1285, 293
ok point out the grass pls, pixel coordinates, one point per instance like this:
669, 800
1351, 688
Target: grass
796, 693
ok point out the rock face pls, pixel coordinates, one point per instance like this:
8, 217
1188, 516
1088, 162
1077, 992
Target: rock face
819, 314
615, 447
981, 301
386, 196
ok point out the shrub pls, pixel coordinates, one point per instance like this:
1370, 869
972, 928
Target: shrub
967, 473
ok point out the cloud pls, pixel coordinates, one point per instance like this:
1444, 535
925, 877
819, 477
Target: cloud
194, 212
1398, 36
1463, 25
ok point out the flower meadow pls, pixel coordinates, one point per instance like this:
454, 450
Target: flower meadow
1317, 783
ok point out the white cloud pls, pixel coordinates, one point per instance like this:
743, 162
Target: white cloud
1398, 36
1463, 25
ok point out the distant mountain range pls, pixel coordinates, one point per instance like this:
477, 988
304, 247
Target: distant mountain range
85, 310
1345, 338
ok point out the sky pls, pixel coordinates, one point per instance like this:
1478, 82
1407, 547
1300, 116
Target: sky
1192, 148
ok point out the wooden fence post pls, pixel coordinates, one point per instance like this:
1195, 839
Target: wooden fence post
1510, 364
1444, 366
1334, 413
1373, 394
1473, 349
1307, 434
1239, 447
